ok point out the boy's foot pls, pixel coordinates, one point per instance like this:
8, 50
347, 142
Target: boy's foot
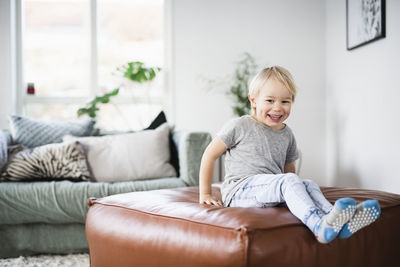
366, 213
331, 224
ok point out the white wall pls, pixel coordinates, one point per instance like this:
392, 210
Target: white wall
345, 116
363, 94
6, 63
208, 38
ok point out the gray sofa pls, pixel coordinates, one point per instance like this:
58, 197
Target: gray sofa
49, 217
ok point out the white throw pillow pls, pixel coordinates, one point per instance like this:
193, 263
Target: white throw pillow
127, 157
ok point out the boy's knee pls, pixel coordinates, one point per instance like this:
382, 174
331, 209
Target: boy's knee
292, 178
311, 183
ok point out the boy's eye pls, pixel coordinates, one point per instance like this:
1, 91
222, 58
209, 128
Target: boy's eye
270, 100
285, 102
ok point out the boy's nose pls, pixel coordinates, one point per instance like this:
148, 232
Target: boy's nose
277, 106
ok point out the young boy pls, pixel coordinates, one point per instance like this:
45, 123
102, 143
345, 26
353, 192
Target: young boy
260, 170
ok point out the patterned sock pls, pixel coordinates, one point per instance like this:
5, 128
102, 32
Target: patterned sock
366, 213
330, 225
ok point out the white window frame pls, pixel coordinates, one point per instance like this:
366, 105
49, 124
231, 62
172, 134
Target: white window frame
22, 99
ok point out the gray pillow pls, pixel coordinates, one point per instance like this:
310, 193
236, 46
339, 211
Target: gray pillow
128, 157
32, 133
48, 162
3, 150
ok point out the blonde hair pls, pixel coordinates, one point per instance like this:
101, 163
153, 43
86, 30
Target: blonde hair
275, 72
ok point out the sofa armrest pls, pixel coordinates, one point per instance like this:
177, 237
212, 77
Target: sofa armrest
191, 146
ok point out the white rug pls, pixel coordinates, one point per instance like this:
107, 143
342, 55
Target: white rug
76, 260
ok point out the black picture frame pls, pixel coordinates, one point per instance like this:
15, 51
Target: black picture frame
365, 22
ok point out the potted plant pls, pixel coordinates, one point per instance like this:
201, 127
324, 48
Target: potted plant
236, 85
239, 86
135, 71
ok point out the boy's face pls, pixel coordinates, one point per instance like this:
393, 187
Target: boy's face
272, 105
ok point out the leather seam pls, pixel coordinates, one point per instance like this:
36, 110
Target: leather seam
170, 217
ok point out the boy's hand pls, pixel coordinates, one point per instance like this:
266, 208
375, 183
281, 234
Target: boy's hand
209, 200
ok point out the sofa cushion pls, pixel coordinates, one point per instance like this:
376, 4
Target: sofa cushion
158, 121
127, 157
48, 162
63, 201
32, 133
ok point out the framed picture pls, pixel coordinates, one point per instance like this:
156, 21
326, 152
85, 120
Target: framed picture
365, 22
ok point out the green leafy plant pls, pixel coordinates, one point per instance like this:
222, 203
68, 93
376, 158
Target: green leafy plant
135, 71
239, 87
91, 107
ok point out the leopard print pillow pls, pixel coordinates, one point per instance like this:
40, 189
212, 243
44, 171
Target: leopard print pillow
49, 162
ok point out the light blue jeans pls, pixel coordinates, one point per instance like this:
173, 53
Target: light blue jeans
303, 197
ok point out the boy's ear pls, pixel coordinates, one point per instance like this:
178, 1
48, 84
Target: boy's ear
251, 99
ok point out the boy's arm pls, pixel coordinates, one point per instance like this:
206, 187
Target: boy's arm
213, 151
289, 167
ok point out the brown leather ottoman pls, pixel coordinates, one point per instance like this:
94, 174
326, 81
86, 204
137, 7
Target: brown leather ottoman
169, 228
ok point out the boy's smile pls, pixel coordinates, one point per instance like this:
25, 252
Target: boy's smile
275, 118
272, 104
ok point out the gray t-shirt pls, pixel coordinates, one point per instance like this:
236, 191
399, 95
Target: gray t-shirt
253, 148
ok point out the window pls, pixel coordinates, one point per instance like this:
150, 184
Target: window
71, 50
